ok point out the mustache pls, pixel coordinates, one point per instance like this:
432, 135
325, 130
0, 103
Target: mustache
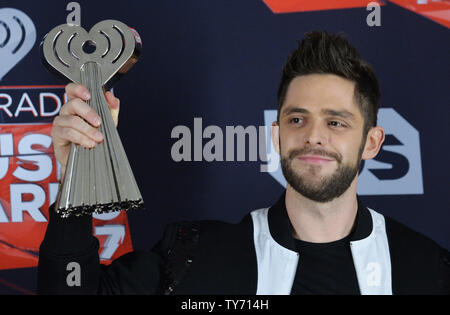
314, 151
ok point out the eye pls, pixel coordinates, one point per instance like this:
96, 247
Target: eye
296, 120
335, 123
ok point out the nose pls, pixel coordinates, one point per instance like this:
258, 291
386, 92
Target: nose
315, 134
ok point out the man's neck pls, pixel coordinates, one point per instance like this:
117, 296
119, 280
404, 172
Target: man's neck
322, 222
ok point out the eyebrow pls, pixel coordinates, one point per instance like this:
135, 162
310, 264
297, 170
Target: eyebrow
339, 113
291, 109
330, 112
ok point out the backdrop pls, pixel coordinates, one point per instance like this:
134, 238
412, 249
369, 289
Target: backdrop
193, 111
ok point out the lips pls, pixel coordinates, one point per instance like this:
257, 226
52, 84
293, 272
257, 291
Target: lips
315, 159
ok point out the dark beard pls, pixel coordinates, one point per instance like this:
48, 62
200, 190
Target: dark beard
331, 187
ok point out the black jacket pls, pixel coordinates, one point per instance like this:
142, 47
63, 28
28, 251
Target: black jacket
212, 257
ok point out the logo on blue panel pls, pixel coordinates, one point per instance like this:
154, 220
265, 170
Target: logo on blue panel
17, 37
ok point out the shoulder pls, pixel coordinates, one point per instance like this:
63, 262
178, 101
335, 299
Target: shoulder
409, 239
207, 231
205, 256
212, 240
418, 262
210, 227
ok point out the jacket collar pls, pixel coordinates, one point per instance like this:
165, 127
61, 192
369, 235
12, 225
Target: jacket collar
281, 228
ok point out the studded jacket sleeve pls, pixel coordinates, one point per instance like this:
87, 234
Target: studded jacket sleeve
69, 261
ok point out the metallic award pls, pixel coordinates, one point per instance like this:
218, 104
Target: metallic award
100, 179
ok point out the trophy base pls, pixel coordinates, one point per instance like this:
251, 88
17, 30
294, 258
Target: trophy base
82, 210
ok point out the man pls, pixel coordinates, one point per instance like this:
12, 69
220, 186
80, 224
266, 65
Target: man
317, 239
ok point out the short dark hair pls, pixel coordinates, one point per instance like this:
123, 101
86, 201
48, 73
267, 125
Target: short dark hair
321, 52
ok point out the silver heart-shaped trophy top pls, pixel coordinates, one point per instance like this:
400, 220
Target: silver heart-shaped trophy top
110, 43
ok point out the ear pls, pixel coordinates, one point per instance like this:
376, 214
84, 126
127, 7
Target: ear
374, 140
275, 135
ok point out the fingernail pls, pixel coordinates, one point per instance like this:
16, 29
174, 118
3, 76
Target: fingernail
86, 95
98, 135
96, 121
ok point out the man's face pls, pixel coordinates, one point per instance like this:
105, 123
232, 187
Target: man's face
320, 136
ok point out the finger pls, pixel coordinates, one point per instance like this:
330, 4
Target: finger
80, 125
113, 102
67, 135
75, 90
82, 109
114, 106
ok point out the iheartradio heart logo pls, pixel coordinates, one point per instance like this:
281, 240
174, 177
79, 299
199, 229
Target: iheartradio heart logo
17, 37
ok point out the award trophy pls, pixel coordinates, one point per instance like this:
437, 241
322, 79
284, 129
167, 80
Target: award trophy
96, 180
